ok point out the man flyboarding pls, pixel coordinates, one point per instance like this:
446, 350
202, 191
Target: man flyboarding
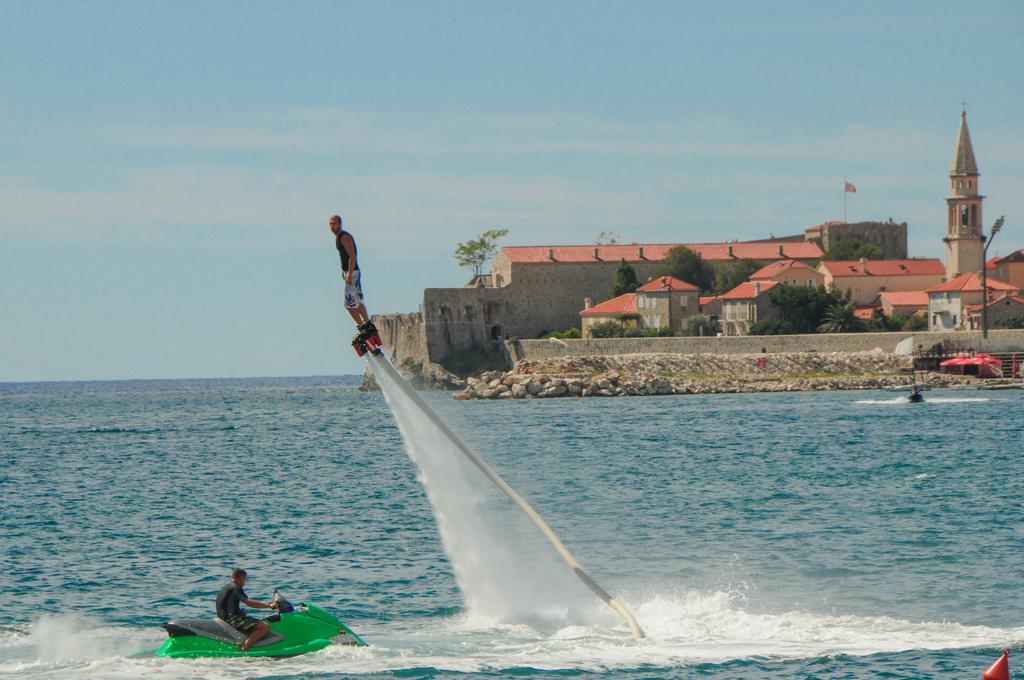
367, 339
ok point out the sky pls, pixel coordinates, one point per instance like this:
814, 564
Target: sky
167, 169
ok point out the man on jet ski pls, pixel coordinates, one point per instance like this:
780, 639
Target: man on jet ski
228, 609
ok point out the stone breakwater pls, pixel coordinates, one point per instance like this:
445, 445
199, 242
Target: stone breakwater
626, 375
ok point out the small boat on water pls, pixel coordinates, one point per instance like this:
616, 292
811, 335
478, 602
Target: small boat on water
916, 395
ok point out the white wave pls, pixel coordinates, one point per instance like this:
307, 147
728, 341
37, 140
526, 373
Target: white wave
683, 628
902, 399
71, 645
957, 400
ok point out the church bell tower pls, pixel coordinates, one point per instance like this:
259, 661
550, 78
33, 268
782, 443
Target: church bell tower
964, 240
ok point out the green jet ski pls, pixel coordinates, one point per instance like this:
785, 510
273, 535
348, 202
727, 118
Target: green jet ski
293, 631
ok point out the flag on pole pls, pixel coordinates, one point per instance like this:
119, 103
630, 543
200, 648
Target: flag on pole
850, 189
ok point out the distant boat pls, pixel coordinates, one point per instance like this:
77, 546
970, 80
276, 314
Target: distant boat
981, 364
915, 396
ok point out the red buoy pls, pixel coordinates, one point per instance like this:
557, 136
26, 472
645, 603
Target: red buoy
1000, 670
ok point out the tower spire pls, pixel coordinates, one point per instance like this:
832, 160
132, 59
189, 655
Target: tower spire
964, 240
963, 152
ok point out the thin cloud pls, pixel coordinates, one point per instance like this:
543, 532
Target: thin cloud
656, 179
338, 130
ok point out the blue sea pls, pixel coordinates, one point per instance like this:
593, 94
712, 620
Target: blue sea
802, 535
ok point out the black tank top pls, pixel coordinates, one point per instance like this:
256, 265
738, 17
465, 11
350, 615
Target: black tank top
344, 253
228, 601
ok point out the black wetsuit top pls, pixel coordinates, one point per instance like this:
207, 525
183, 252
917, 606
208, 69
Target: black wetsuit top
344, 253
227, 601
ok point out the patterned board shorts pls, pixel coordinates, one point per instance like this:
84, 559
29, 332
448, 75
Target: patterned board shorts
242, 623
354, 291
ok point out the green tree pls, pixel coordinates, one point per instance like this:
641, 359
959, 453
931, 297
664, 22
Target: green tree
606, 329
882, 323
854, 249
625, 279
777, 327
700, 324
1010, 322
568, 334
840, 318
801, 309
477, 252
684, 264
732, 275
916, 322
607, 238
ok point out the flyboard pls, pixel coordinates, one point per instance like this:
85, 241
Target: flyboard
382, 364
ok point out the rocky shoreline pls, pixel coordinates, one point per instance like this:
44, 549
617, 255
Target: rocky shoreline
662, 374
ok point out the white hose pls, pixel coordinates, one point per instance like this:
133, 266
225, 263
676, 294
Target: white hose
384, 365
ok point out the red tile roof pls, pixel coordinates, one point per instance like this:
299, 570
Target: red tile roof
1002, 300
908, 298
970, 283
624, 304
770, 270
914, 267
666, 283
654, 252
748, 290
706, 299
816, 229
1015, 256
865, 311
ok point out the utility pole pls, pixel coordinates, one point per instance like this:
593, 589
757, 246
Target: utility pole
984, 276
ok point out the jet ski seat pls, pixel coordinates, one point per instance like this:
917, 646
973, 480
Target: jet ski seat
216, 629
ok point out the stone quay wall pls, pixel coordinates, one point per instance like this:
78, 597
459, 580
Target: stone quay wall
998, 341
628, 375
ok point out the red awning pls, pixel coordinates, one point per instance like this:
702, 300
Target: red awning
977, 360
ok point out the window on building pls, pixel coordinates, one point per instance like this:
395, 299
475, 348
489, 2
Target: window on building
684, 302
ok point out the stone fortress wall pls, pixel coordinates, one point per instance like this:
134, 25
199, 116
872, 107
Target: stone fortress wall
891, 237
